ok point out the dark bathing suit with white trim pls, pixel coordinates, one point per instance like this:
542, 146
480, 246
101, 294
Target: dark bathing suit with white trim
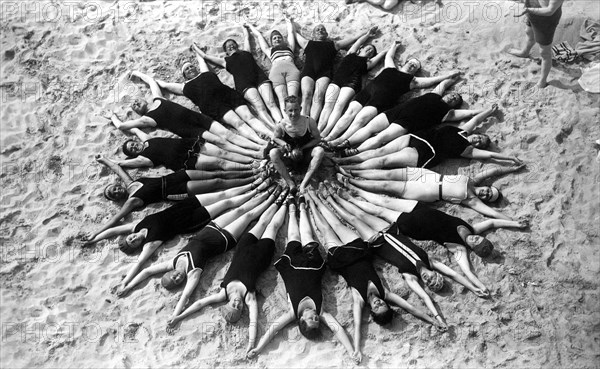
211, 241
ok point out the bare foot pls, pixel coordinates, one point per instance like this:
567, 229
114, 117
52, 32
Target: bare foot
518, 53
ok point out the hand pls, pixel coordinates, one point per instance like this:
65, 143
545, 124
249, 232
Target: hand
122, 291
440, 324
481, 292
525, 11
249, 348
454, 75
520, 165
251, 354
523, 222
99, 158
171, 325
372, 31
357, 356
517, 161
87, 238
494, 108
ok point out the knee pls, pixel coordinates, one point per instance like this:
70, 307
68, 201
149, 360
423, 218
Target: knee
546, 52
318, 152
275, 154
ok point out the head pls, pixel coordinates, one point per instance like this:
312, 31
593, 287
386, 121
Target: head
453, 99
480, 245
367, 51
139, 105
189, 71
276, 38
232, 311
412, 66
173, 279
132, 243
292, 107
433, 280
488, 193
309, 324
115, 192
319, 33
380, 311
479, 141
230, 46
132, 148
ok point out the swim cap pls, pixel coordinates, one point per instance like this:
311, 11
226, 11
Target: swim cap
484, 248
126, 247
436, 282
495, 194
230, 314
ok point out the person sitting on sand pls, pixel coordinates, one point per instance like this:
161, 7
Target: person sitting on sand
184, 153
320, 53
175, 186
186, 123
419, 113
382, 93
350, 256
298, 137
428, 148
425, 223
357, 217
218, 101
347, 80
284, 74
250, 80
543, 17
301, 267
218, 236
252, 256
428, 186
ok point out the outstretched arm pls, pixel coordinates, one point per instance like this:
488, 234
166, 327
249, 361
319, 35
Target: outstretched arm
449, 272
139, 162
128, 207
357, 308
147, 251
479, 206
291, 35
141, 122
210, 58
111, 232
302, 42
246, 43
389, 56
375, 60
197, 306
359, 41
424, 82
480, 154
281, 322
495, 171
253, 313
176, 88
125, 177
262, 43
154, 87
193, 278
444, 85
414, 285
498, 223
163, 267
339, 331
400, 302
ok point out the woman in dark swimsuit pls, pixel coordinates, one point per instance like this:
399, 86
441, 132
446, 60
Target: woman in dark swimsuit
301, 268
183, 153
175, 187
250, 80
186, 123
347, 80
428, 148
252, 256
381, 94
320, 53
219, 236
350, 256
218, 101
284, 74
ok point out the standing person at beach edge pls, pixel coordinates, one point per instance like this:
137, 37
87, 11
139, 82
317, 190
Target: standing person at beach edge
542, 19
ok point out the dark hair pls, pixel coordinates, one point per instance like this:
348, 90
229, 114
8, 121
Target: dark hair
275, 32
226, 41
308, 332
483, 248
384, 317
126, 247
459, 99
486, 141
292, 99
128, 152
373, 46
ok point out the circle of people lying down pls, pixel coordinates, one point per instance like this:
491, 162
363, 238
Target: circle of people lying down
227, 156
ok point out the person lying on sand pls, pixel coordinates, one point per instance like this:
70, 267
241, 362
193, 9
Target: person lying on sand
250, 80
384, 4
301, 267
186, 153
381, 94
428, 186
252, 256
428, 148
350, 256
218, 101
175, 187
170, 116
218, 236
320, 53
416, 114
543, 17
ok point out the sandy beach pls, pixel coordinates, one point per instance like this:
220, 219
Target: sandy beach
63, 71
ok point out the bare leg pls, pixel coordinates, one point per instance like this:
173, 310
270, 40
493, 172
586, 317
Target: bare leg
219, 130
211, 185
209, 163
526, 50
376, 125
393, 203
201, 175
407, 157
393, 188
308, 89
259, 184
212, 150
242, 127
546, 53
258, 229
317, 154
293, 230
222, 206
389, 215
257, 125
344, 234
282, 92
362, 118
266, 91
318, 97
331, 96
395, 146
390, 133
346, 94
276, 221
276, 158
229, 147
293, 87
342, 124
253, 210
330, 238
306, 233
253, 97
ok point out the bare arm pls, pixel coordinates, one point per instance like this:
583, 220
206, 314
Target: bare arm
302, 42
281, 322
495, 171
414, 285
125, 177
291, 35
498, 223
443, 86
147, 251
141, 122
163, 267
460, 114
127, 208
371, 63
480, 154
389, 56
253, 314
479, 206
193, 278
451, 273
198, 305
400, 302
139, 162
176, 88
359, 41
357, 308
111, 232
424, 82
143, 136
211, 58
154, 87
246, 43
338, 330
262, 43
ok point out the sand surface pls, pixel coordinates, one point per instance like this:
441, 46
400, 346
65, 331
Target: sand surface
63, 68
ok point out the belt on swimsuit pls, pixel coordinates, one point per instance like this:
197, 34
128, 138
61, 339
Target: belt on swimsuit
441, 181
